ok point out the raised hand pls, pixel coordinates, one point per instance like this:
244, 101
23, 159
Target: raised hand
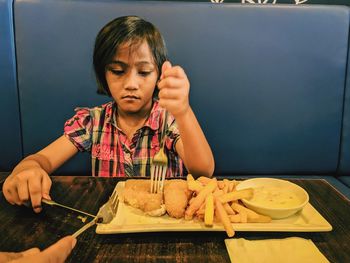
174, 88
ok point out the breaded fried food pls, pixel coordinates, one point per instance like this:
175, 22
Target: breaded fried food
136, 194
176, 196
138, 185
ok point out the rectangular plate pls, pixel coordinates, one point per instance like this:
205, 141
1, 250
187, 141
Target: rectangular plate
132, 220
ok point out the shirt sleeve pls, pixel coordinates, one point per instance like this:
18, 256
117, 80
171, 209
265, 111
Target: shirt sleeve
78, 129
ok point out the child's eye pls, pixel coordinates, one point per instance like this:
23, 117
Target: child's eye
117, 72
144, 73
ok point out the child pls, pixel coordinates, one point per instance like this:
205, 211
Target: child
123, 135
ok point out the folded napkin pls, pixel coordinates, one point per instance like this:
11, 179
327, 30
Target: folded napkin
293, 249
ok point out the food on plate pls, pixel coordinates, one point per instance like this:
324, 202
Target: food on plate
252, 217
274, 197
176, 196
209, 210
207, 199
199, 199
225, 220
236, 195
136, 194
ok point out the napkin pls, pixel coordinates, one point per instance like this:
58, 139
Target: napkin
287, 250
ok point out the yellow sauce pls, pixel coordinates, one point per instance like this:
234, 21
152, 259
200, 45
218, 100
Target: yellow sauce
274, 197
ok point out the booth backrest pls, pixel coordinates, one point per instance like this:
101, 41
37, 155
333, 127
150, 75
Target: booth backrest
344, 160
10, 129
267, 82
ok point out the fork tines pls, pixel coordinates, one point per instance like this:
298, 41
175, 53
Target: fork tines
108, 211
159, 162
105, 214
158, 173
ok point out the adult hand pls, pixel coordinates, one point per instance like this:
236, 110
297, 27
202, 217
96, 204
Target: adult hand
27, 185
174, 88
57, 253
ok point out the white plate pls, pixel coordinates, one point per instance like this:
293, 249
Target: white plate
132, 220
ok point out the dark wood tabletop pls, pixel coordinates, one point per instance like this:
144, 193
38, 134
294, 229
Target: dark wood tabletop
21, 228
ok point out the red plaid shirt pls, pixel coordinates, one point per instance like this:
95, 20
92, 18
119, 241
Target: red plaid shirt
112, 154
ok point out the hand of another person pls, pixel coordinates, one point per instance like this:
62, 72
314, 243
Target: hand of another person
27, 185
174, 88
57, 253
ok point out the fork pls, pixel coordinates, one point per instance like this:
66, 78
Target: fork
159, 163
105, 214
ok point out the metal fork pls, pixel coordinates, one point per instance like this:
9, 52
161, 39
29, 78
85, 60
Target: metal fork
159, 163
105, 214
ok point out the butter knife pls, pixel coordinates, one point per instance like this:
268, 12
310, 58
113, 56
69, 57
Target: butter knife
53, 203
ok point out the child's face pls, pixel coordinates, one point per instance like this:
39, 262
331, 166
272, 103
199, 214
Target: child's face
132, 77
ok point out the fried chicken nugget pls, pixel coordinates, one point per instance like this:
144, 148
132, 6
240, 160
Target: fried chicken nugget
176, 196
136, 193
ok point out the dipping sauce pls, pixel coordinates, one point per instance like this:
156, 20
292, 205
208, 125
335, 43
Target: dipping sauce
274, 197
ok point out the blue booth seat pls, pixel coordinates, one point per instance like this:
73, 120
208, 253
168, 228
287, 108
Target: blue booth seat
269, 84
10, 134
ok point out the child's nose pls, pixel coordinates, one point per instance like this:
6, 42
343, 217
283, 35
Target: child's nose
130, 81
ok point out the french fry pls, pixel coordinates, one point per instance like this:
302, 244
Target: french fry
201, 217
244, 216
201, 210
199, 199
221, 184
195, 186
228, 209
231, 186
252, 217
218, 192
235, 218
235, 195
204, 180
259, 219
209, 210
189, 178
226, 186
224, 218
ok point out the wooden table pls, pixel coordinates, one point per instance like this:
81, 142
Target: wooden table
22, 229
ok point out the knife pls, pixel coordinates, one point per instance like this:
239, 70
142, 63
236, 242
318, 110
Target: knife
53, 203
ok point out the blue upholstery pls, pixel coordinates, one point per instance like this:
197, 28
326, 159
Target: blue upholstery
344, 162
267, 82
10, 135
345, 180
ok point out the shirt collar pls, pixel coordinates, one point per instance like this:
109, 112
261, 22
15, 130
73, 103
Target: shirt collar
111, 113
152, 121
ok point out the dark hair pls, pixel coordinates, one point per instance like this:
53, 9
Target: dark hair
117, 32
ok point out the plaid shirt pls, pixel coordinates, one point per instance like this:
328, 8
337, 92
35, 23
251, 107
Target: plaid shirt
112, 154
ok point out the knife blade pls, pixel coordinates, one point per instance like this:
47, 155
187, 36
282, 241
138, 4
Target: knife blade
53, 203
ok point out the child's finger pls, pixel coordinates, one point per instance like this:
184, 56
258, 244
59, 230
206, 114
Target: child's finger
166, 65
46, 186
174, 71
30, 252
171, 83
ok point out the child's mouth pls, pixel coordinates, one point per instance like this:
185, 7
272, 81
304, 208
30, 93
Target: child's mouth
130, 97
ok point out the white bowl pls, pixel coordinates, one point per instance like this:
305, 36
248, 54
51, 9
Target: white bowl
275, 198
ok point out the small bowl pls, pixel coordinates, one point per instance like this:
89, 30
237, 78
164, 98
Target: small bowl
275, 198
